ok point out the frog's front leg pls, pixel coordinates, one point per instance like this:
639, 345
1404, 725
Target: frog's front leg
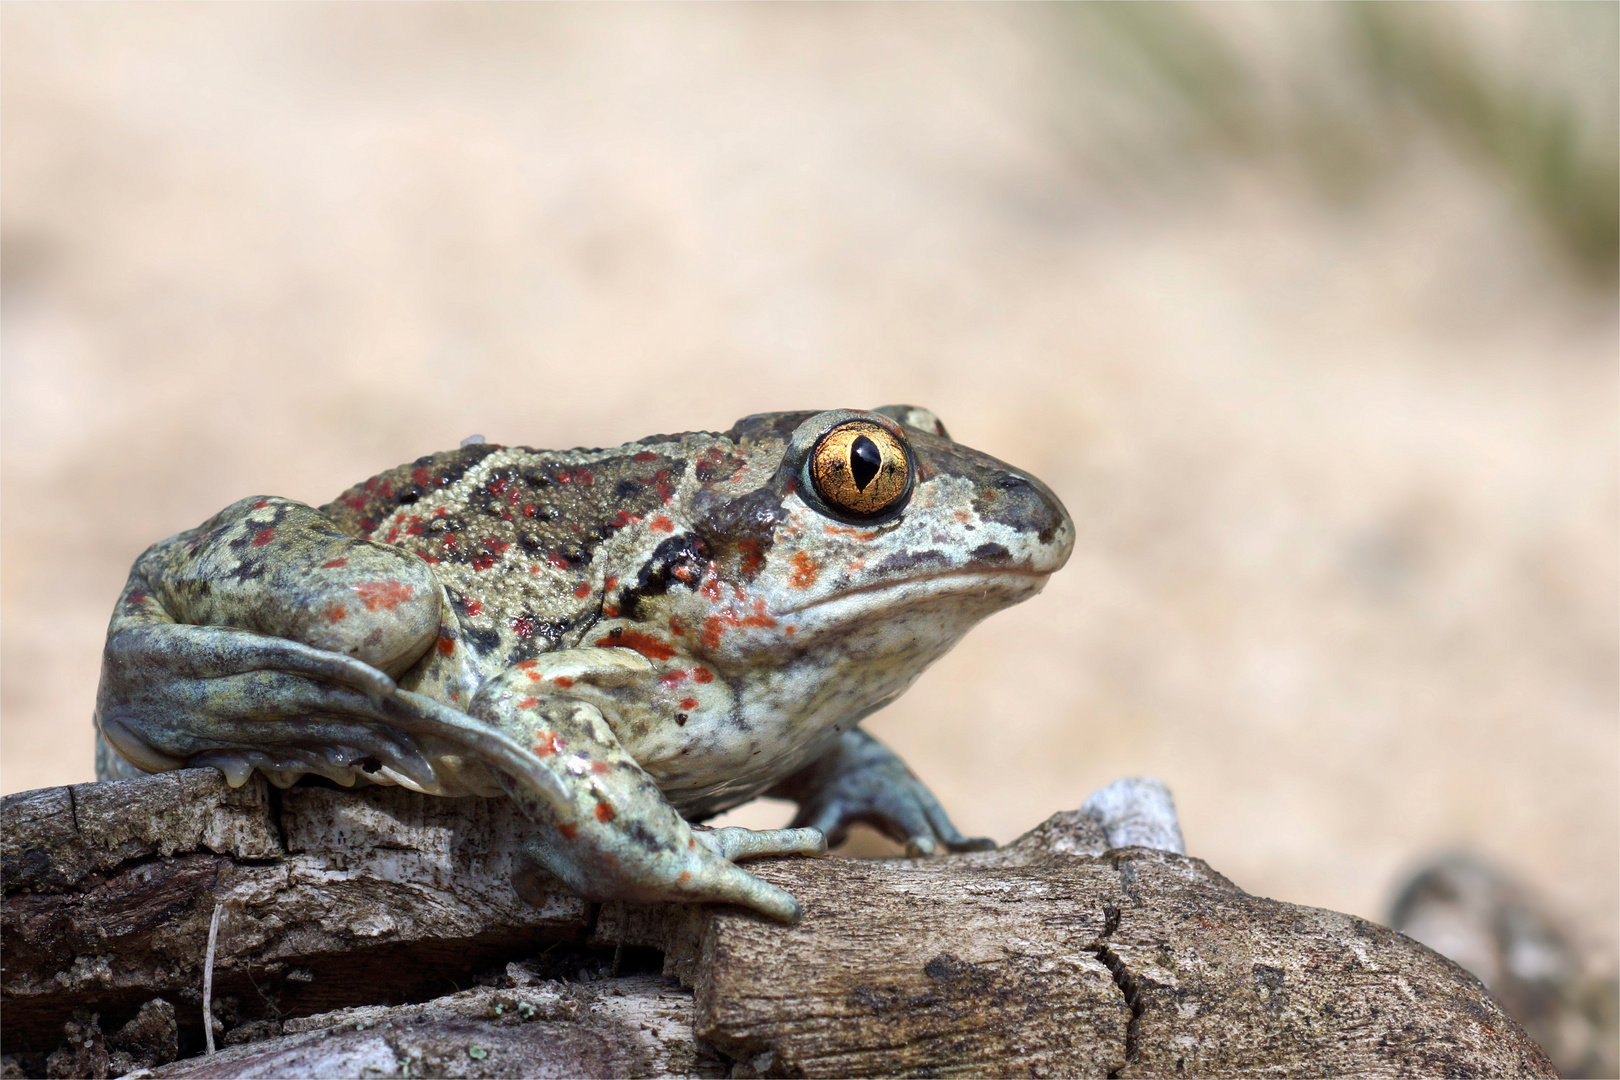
860, 779
616, 837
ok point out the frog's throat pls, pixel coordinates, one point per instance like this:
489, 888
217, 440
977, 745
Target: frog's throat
1038, 577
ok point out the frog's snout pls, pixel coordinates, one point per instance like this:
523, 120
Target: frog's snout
1030, 506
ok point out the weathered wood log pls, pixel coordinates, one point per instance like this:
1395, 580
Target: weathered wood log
1050, 956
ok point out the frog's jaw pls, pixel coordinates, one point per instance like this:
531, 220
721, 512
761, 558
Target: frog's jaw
786, 712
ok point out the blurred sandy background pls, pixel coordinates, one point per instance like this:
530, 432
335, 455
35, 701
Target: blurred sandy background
1302, 311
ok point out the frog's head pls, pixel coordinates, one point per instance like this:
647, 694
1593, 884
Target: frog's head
876, 536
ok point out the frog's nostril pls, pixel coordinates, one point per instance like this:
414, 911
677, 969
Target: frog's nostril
1012, 482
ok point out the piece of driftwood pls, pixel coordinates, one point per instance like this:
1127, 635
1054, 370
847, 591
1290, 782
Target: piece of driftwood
376, 932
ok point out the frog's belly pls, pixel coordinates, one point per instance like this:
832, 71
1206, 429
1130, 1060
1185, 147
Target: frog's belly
785, 719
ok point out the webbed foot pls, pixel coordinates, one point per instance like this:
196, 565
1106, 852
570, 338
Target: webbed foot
863, 780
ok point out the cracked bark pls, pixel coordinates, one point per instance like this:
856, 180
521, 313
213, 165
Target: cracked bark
1049, 956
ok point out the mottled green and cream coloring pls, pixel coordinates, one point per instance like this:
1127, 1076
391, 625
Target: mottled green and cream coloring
624, 641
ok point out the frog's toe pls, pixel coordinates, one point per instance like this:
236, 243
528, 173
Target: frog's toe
733, 843
902, 810
724, 883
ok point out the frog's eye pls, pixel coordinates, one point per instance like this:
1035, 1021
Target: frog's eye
861, 470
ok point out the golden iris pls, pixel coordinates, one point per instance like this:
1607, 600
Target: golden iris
860, 468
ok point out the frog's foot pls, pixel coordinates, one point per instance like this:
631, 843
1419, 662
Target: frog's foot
613, 835
862, 780
733, 843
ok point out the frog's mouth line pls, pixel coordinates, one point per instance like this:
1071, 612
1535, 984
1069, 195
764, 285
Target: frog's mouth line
881, 586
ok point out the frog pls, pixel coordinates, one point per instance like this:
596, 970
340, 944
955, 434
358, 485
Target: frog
626, 642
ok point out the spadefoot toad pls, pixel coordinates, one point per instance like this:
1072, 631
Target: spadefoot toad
624, 641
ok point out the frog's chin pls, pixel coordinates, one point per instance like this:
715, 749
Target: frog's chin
987, 590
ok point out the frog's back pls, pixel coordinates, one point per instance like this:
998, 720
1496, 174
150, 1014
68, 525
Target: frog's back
522, 539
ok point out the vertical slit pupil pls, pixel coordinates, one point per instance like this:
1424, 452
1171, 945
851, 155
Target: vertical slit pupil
865, 459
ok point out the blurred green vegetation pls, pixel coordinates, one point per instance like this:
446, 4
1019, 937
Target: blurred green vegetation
1528, 92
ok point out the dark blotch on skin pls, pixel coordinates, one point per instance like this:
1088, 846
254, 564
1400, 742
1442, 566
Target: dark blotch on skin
754, 516
642, 835
481, 641
906, 560
686, 552
990, 553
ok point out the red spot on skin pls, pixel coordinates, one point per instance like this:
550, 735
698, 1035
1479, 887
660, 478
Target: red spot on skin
682, 572
263, 537
565, 478
759, 618
790, 631
137, 598
710, 589
525, 664
549, 744
610, 582
834, 530
568, 831
686, 875
585, 476
261, 504
421, 478
610, 610
647, 646
674, 678
702, 675
662, 524
446, 646
534, 676
691, 843
474, 609
711, 632
334, 613
522, 627
583, 591
556, 560
676, 626
414, 527
392, 535
689, 703
483, 562
441, 512
645, 456
384, 595
528, 703
604, 812
428, 558
528, 511
599, 767
563, 681
666, 490
753, 560
805, 571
